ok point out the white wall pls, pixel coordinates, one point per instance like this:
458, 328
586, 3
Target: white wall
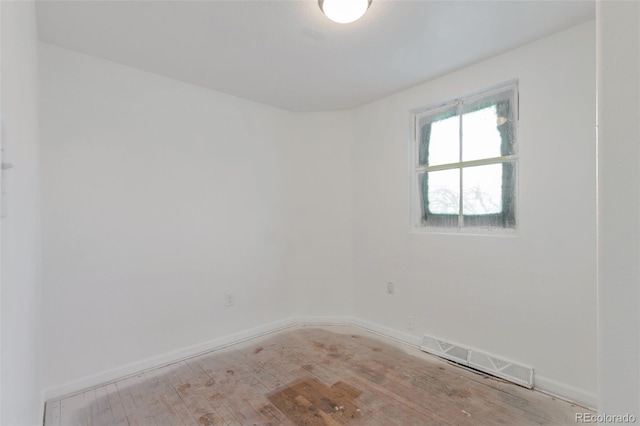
619, 207
158, 197
21, 400
530, 298
321, 255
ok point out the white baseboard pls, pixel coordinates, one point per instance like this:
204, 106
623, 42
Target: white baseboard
546, 385
108, 376
543, 384
391, 333
322, 320
566, 392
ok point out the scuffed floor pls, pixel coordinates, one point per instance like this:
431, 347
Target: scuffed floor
338, 375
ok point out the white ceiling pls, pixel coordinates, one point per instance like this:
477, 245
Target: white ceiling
288, 54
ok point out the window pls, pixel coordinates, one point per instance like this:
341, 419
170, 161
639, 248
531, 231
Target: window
464, 162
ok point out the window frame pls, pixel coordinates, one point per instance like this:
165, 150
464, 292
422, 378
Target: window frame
421, 220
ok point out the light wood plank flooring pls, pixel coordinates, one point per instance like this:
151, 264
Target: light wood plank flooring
338, 375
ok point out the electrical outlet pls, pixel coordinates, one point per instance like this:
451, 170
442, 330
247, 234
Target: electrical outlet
409, 322
390, 288
229, 299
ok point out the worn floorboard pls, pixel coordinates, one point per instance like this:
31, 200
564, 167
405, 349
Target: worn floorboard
324, 376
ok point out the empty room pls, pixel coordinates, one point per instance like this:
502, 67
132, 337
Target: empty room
333, 212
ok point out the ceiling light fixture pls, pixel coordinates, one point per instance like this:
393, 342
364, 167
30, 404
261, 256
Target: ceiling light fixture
344, 11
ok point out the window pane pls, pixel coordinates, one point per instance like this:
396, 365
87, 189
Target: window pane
444, 144
482, 190
439, 137
442, 192
480, 135
496, 112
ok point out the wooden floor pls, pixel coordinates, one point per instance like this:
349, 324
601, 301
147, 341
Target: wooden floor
331, 376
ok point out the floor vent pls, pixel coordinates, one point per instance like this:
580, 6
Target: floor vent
505, 369
445, 349
499, 367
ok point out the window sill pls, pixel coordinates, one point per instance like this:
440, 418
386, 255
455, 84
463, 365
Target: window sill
467, 232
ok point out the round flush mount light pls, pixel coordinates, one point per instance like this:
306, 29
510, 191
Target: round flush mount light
344, 11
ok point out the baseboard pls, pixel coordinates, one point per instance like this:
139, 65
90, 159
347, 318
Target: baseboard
105, 377
390, 333
323, 320
566, 392
543, 384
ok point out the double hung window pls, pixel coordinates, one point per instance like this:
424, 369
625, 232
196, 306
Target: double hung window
464, 162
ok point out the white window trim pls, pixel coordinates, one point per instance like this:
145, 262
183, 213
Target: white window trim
415, 212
